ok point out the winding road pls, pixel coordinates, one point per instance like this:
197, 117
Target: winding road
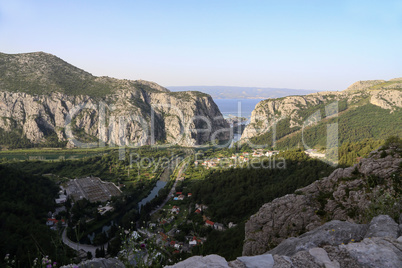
78, 246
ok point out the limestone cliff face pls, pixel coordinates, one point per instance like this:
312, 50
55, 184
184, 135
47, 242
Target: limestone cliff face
130, 117
297, 109
349, 194
42, 96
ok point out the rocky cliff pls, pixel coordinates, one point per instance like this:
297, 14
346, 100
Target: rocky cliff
353, 194
296, 112
42, 97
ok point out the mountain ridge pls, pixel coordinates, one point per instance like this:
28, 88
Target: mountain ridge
38, 91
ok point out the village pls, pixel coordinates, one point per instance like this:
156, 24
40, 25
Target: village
234, 161
180, 224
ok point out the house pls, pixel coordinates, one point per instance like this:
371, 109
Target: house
209, 223
180, 197
62, 199
234, 157
196, 163
52, 222
193, 242
219, 226
175, 209
179, 193
201, 206
198, 211
231, 225
189, 195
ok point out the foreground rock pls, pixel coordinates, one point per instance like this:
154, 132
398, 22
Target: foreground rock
348, 194
97, 263
335, 244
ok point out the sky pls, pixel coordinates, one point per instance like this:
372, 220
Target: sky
320, 45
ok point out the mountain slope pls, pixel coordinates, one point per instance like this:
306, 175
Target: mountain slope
44, 100
367, 109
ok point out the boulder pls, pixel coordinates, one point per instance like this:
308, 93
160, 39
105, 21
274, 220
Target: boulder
331, 233
382, 226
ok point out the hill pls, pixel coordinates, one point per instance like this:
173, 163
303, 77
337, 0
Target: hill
366, 110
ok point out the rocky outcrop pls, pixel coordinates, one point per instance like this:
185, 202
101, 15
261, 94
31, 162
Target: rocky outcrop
348, 194
42, 96
387, 99
335, 244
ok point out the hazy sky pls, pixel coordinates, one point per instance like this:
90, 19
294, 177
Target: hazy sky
323, 45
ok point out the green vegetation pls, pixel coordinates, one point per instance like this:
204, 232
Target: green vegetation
350, 152
233, 195
354, 125
25, 201
107, 166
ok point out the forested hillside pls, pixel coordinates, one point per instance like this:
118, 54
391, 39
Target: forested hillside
25, 201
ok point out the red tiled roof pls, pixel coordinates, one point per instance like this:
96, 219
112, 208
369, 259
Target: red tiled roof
164, 236
54, 220
209, 222
179, 192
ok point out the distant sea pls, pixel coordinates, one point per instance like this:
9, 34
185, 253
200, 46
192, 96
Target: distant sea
230, 106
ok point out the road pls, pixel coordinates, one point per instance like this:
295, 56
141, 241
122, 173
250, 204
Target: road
172, 191
78, 246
